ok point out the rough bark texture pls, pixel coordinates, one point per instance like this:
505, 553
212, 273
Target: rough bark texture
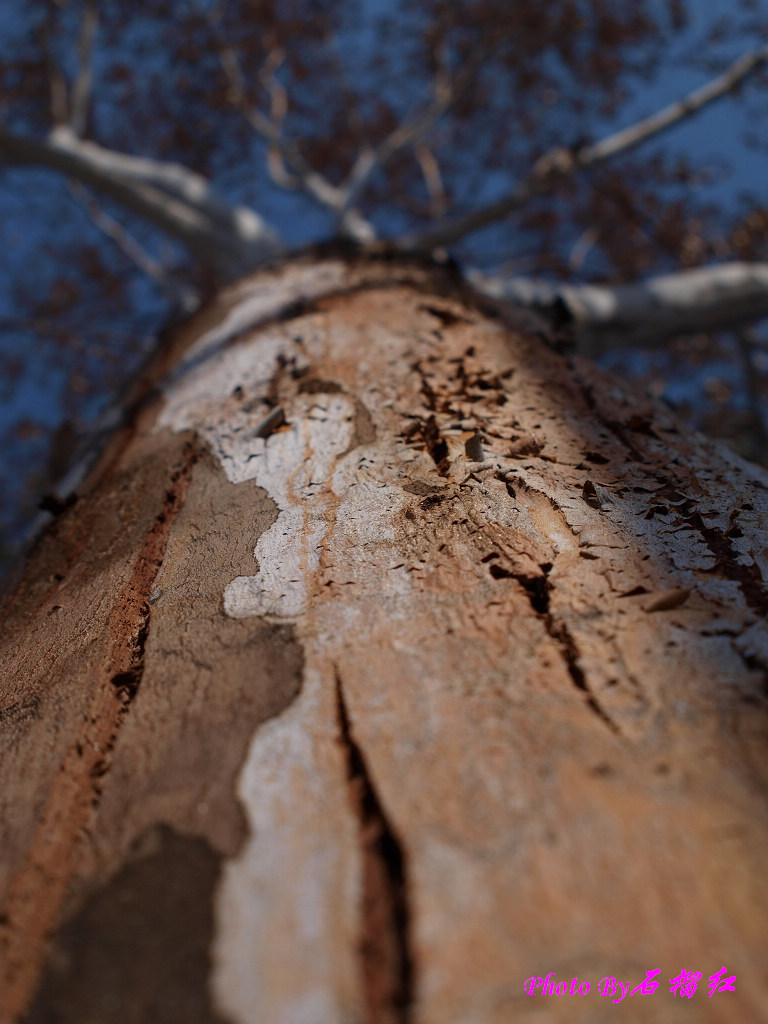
387, 660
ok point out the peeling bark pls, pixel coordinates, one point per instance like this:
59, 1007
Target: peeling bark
429, 660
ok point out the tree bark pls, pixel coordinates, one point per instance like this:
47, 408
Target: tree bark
387, 659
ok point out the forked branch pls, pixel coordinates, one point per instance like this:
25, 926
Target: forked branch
411, 133
562, 162
231, 239
185, 298
285, 161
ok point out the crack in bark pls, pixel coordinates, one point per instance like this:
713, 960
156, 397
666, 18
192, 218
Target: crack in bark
384, 942
748, 577
569, 651
537, 589
37, 891
427, 433
128, 681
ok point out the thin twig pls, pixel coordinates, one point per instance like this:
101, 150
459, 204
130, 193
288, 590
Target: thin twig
57, 83
561, 162
430, 169
285, 161
409, 133
584, 243
80, 93
185, 298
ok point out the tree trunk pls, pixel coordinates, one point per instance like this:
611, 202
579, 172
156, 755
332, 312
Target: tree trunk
387, 659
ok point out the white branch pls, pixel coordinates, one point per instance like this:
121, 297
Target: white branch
704, 299
231, 239
562, 162
695, 101
410, 133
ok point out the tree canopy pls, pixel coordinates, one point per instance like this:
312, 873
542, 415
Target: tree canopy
151, 152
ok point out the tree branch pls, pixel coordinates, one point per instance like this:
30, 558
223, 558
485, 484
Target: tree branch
57, 83
721, 297
80, 93
269, 129
285, 160
562, 162
231, 239
410, 133
186, 298
433, 180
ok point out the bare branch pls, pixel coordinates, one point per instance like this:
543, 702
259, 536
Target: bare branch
231, 67
80, 93
580, 251
271, 130
231, 239
57, 83
410, 133
432, 179
689, 105
561, 162
285, 161
278, 109
186, 298
715, 298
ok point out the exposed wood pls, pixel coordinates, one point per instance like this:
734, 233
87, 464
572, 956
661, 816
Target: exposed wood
449, 675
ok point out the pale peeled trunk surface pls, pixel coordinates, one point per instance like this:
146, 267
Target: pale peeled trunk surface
455, 678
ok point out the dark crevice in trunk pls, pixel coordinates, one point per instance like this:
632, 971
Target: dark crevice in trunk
728, 563
384, 944
560, 632
134, 608
127, 682
436, 445
537, 589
